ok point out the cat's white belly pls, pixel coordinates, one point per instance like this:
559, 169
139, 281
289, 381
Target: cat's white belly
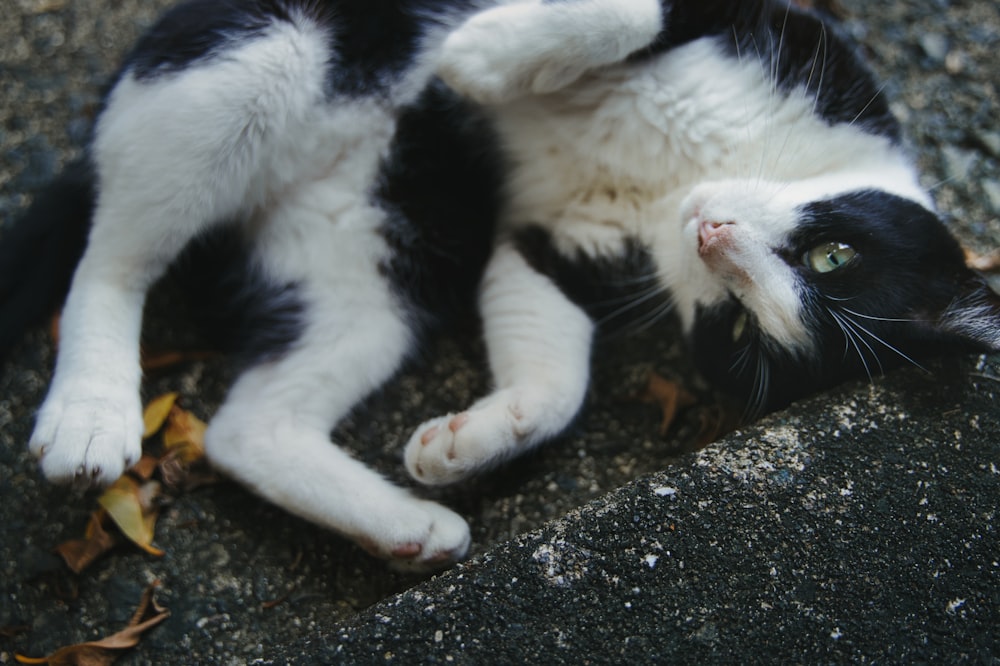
621, 149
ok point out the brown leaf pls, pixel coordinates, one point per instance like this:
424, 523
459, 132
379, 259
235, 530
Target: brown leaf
81, 553
179, 475
146, 467
130, 504
716, 421
107, 650
669, 395
156, 412
14, 630
185, 435
161, 360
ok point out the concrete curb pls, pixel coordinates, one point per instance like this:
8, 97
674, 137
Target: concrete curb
856, 527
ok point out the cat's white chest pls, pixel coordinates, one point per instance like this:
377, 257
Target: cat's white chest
620, 149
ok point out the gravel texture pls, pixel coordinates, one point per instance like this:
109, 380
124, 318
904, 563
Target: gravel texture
857, 526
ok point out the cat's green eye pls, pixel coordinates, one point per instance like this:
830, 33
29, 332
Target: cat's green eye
829, 257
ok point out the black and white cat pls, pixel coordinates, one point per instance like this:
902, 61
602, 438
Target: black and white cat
375, 164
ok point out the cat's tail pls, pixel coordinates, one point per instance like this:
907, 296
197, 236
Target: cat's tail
39, 253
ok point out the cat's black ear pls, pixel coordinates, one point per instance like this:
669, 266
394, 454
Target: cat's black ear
973, 316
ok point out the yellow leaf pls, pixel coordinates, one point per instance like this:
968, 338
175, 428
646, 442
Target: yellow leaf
185, 435
156, 413
124, 503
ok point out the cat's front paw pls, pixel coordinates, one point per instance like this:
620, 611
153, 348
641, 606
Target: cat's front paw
88, 434
451, 448
506, 52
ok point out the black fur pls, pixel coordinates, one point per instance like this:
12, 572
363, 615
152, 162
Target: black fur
39, 254
796, 46
237, 309
440, 185
887, 307
373, 39
618, 292
199, 30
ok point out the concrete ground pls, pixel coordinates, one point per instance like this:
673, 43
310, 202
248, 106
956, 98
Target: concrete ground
855, 526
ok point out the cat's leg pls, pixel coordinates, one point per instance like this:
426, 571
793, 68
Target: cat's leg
539, 47
273, 431
539, 351
89, 429
174, 154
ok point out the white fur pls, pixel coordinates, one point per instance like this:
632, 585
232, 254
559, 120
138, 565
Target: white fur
603, 151
636, 149
539, 351
535, 47
248, 136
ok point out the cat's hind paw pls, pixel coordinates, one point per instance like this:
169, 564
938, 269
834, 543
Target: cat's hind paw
443, 539
88, 435
451, 448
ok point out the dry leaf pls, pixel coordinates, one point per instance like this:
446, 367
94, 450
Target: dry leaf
716, 421
146, 467
152, 360
14, 630
81, 553
107, 650
156, 412
130, 505
178, 475
669, 395
185, 435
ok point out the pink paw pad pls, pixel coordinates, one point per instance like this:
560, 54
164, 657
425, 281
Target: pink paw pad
460, 420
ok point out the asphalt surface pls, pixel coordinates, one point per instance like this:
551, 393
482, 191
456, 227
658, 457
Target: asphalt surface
857, 526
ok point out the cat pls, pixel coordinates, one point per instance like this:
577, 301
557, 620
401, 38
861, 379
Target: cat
351, 174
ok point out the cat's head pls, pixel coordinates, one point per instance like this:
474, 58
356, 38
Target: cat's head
797, 292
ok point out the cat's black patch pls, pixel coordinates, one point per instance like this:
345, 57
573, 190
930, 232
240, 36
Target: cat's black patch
885, 308
795, 47
41, 250
197, 30
375, 39
235, 306
617, 292
371, 41
440, 186
817, 56
907, 259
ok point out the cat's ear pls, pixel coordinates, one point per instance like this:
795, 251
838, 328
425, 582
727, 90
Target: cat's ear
973, 315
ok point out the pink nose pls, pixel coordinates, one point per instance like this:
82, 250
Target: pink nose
711, 232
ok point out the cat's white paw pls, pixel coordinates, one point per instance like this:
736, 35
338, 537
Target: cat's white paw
451, 448
424, 536
88, 434
507, 52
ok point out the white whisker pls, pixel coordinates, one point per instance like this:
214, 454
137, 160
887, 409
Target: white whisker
885, 344
851, 337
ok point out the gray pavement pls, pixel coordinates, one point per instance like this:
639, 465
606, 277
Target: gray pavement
856, 526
